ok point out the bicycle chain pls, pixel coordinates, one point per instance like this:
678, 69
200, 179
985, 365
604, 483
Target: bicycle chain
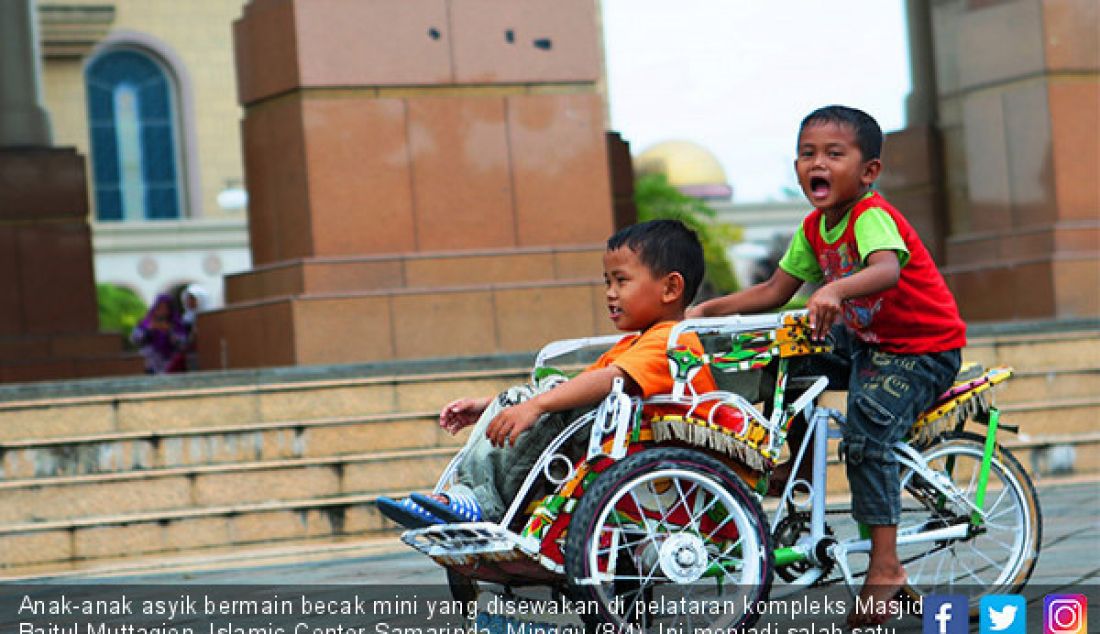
829, 565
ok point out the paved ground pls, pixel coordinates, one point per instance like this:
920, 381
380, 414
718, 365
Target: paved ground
1070, 553
1069, 563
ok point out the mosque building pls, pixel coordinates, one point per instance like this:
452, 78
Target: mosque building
696, 171
130, 84
150, 100
689, 167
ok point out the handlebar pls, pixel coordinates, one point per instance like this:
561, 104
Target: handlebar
733, 323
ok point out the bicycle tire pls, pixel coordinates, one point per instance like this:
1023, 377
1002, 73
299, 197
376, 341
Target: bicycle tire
638, 484
1026, 526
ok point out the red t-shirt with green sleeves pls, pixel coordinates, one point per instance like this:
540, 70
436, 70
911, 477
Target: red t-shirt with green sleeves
918, 315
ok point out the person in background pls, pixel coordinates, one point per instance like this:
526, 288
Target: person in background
194, 300
160, 336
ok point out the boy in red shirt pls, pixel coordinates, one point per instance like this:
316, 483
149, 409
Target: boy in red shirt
899, 332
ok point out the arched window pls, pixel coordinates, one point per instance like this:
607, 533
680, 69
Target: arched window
132, 116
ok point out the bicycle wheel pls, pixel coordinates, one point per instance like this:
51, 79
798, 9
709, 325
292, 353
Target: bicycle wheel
664, 532
999, 554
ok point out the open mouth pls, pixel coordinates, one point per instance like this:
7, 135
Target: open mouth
819, 187
614, 312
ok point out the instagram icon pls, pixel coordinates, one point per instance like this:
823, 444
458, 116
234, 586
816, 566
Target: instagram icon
1065, 614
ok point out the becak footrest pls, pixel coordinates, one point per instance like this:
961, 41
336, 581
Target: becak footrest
467, 543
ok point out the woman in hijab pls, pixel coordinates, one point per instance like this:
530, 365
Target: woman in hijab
160, 335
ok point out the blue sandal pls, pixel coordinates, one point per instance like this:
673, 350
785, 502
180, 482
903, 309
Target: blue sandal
458, 508
407, 513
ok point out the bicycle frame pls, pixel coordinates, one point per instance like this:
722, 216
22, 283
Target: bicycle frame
610, 427
819, 432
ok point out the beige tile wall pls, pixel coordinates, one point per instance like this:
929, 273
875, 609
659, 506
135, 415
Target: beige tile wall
203, 41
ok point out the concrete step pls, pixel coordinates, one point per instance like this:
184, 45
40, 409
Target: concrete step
1073, 356
46, 545
1031, 352
1050, 455
220, 407
1050, 385
50, 545
168, 490
144, 450
1063, 416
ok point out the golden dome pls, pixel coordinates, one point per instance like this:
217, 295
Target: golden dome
689, 167
684, 163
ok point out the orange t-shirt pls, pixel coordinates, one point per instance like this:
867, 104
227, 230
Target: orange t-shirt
644, 358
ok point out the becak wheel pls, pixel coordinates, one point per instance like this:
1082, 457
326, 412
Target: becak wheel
663, 527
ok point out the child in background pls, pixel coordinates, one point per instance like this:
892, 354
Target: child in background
194, 300
898, 345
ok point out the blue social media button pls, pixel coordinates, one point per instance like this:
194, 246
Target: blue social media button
1002, 614
946, 614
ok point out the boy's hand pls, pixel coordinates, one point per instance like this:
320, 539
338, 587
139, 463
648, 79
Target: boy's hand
510, 423
883, 271
825, 309
461, 413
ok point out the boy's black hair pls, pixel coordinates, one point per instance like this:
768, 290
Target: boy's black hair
868, 132
665, 246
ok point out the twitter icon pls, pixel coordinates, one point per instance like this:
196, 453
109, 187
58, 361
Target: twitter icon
1003, 614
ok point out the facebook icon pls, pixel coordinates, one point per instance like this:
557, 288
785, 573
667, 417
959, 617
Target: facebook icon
945, 614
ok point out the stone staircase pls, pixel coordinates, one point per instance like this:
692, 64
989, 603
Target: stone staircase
96, 472
98, 477
1054, 398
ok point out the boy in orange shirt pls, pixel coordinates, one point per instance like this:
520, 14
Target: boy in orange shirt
652, 271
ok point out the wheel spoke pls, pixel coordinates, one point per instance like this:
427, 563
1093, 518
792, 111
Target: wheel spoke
641, 514
998, 514
696, 511
997, 502
710, 505
1008, 547
720, 526
923, 563
943, 558
973, 481
970, 572
982, 555
687, 505
660, 504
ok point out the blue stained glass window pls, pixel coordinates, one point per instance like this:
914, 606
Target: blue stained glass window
132, 122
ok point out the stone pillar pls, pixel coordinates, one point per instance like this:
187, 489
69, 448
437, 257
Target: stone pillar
913, 174
426, 178
998, 171
23, 119
1018, 84
621, 166
48, 316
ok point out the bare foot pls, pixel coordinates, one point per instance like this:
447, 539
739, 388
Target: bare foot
880, 598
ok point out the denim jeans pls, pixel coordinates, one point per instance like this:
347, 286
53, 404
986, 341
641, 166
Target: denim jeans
495, 475
886, 394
